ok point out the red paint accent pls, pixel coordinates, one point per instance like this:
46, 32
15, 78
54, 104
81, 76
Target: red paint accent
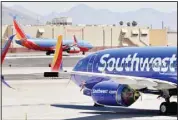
22, 49
75, 41
74, 51
21, 33
84, 49
6, 47
5, 51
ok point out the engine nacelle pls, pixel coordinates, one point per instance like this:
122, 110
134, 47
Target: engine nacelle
113, 94
74, 49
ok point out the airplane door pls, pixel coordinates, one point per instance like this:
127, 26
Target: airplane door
91, 63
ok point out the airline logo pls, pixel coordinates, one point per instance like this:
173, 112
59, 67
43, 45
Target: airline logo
103, 91
135, 63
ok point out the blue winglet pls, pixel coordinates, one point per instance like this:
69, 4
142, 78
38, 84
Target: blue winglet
13, 16
2, 79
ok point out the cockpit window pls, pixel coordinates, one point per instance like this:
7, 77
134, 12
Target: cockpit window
81, 65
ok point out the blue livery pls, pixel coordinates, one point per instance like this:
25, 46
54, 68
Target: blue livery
98, 73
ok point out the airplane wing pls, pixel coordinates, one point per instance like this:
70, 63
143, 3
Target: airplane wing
130, 80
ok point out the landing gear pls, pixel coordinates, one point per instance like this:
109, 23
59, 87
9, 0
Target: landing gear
173, 107
97, 105
48, 53
83, 53
167, 107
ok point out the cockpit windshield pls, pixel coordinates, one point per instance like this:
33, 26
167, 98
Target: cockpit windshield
81, 65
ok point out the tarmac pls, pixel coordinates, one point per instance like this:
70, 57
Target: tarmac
36, 97
58, 100
38, 61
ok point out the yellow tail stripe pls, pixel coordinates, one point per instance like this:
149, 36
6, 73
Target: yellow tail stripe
56, 54
18, 36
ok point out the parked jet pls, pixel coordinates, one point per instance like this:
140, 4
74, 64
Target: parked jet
116, 77
48, 45
3, 54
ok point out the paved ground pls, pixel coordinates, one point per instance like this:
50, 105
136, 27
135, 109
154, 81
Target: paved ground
38, 61
38, 98
41, 53
24, 73
54, 100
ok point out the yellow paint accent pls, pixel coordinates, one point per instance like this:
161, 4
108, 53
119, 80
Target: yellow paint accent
18, 36
58, 45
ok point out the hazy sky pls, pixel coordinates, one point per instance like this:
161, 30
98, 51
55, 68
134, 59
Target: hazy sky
44, 8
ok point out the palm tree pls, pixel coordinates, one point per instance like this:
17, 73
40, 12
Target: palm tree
121, 23
128, 23
134, 23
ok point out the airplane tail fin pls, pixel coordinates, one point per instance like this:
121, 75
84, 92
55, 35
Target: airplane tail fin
75, 40
57, 59
20, 34
6, 47
56, 65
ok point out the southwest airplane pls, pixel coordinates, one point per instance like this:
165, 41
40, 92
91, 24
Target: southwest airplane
48, 45
116, 77
3, 54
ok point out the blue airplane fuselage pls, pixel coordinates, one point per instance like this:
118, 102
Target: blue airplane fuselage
149, 62
52, 42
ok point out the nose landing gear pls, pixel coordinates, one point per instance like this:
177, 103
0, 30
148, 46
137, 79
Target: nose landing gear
48, 53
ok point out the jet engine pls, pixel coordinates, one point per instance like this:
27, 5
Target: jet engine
73, 49
114, 94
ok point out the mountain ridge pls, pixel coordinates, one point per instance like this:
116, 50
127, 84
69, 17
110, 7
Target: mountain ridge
84, 14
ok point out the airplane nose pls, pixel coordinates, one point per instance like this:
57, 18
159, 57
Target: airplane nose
90, 46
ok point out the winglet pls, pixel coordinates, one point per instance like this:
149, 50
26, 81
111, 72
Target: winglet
57, 59
14, 16
2, 79
6, 47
